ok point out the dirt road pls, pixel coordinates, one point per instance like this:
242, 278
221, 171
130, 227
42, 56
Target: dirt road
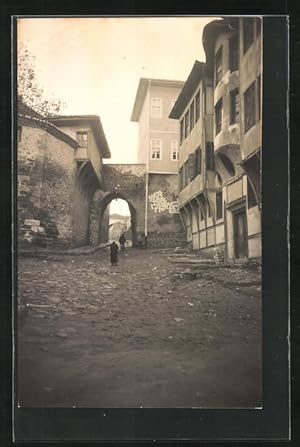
136, 335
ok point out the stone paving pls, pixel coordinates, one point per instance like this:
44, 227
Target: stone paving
140, 334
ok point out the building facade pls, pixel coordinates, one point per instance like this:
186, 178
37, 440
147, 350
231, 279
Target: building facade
220, 142
59, 169
158, 149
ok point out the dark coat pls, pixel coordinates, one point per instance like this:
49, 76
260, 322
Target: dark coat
114, 253
122, 239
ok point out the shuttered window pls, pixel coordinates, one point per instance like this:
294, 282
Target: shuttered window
219, 65
210, 162
249, 107
197, 105
234, 53
192, 166
198, 160
219, 205
82, 138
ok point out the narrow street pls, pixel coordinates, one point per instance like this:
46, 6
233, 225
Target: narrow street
140, 334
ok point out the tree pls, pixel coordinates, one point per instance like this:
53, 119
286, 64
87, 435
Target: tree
29, 90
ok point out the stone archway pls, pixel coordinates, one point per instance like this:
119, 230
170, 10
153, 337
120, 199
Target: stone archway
103, 221
126, 182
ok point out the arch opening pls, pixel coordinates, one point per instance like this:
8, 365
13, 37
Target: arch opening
103, 206
119, 221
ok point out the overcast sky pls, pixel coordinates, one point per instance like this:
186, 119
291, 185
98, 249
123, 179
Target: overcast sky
94, 64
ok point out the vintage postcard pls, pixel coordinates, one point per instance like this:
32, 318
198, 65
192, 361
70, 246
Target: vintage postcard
139, 212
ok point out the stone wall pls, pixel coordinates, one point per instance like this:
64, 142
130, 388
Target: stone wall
164, 223
46, 176
98, 233
166, 240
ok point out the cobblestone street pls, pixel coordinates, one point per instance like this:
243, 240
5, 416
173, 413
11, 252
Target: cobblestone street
140, 334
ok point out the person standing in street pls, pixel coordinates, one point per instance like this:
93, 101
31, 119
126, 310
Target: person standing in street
114, 253
122, 241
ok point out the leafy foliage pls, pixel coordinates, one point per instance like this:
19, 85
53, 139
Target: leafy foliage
29, 90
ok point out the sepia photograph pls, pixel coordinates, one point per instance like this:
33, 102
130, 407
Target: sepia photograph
139, 204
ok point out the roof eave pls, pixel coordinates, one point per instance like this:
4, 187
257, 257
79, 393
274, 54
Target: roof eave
189, 87
96, 125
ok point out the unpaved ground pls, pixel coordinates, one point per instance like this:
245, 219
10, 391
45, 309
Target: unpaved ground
137, 334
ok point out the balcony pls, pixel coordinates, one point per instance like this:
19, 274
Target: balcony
190, 191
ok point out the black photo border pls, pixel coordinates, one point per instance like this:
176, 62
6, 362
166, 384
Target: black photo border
175, 425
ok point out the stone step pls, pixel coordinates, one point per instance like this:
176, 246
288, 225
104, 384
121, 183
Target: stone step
186, 260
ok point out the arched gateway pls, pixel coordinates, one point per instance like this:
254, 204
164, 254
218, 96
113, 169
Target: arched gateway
121, 181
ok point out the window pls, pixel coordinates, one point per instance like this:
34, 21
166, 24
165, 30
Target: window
210, 165
219, 63
185, 174
192, 166
192, 115
234, 106
219, 205
181, 130
187, 123
218, 117
174, 150
198, 160
155, 149
197, 105
234, 53
227, 164
82, 138
249, 107
248, 32
251, 196
156, 107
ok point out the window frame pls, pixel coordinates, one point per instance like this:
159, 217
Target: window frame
187, 123
174, 151
159, 115
153, 150
197, 106
249, 123
234, 111
198, 153
181, 130
248, 39
219, 108
219, 68
232, 48
82, 132
219, 209
192, 115
209, 156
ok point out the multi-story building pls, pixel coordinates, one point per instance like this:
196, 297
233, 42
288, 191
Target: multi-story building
158, 149
221, 205
198, 183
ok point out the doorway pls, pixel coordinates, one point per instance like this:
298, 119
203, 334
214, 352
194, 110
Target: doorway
240, 234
